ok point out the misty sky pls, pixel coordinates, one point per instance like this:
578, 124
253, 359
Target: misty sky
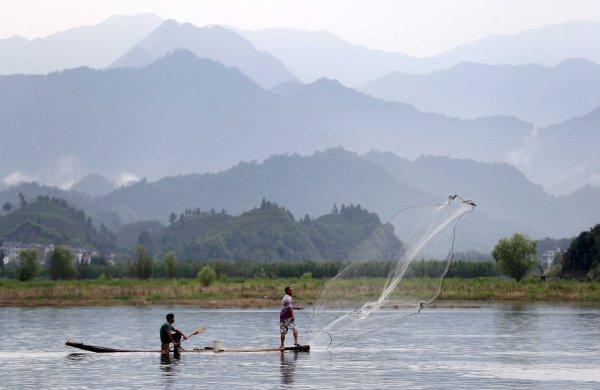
423, 27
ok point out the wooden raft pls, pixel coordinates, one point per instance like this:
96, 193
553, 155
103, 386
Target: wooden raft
97, 349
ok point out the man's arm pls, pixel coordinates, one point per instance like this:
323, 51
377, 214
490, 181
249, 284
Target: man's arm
181, 333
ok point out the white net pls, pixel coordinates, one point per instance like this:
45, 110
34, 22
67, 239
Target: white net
373, 288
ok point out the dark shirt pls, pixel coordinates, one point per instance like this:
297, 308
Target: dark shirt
165, 332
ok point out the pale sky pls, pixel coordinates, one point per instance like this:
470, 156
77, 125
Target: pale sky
416, 27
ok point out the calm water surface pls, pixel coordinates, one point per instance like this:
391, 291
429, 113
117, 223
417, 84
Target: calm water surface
492, 346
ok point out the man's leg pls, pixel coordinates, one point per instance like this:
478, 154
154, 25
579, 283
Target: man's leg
177, 339
282, 340
282, 331
296, 336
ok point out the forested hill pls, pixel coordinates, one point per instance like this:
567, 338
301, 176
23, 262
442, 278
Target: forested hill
52, 221
269, 232
304, 184
382, 182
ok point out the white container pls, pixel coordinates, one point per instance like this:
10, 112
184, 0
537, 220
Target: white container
217, 345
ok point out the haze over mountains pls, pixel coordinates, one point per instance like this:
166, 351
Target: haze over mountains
94, 46
313, 54
171, 99
215, 42
564, 156
532, 92
381, 182
547, 46
187, 114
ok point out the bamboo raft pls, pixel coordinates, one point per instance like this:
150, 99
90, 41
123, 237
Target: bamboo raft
97, 349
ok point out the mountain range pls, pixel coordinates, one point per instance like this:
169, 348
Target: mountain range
532, 92
216, 43
188, 114
309, 55
94, 46
379, 181
564, 156
314, 54
150, 108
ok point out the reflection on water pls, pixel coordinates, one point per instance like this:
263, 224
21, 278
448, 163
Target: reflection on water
287, 366
168, 363
494, 346
77, 357
169, 366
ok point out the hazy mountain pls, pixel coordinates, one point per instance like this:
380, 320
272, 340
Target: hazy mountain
583, 205
94, 46
532, 92
190, 227
342, 116
507, 201
215, 42
77, 199
186, 114
93, 184
547, 46
127, 235
381, 182
313, 54
306, 185
564, 156
53, 221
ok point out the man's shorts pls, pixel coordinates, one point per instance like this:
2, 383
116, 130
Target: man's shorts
286, 324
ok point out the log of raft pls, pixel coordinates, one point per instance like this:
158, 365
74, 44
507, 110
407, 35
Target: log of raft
97, 349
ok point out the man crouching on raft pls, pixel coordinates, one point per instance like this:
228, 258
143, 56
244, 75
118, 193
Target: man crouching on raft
168, 335
287, 318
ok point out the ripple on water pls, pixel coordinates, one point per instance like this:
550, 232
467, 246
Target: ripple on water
490, 347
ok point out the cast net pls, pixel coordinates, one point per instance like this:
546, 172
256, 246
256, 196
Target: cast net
377, 285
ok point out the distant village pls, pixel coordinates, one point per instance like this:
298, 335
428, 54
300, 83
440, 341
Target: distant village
552, 257
12, 250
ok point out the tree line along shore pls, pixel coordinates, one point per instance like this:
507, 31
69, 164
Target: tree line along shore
146, 275
266, 292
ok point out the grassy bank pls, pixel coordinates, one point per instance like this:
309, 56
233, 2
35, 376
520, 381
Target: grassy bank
267, 292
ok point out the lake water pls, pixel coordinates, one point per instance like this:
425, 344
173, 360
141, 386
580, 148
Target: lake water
491, 346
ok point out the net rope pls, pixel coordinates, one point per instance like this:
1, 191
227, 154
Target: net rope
398, 267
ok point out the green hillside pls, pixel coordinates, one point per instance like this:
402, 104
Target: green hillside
52, 221
337, 233
190, 227
269, 233
128, 235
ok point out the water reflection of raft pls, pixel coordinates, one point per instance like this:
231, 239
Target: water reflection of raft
94, 348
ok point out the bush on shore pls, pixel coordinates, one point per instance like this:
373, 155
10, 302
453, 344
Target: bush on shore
207, 276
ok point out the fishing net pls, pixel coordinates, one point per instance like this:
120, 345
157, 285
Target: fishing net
378, 284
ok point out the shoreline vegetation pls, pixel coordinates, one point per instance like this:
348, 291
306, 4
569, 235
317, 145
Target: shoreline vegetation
267, 292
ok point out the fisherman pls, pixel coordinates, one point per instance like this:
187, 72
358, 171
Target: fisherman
287, 317
168, 335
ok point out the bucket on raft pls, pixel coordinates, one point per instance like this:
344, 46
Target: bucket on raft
217, 345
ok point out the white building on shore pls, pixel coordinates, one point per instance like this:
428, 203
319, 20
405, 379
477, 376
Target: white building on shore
549, 256
12, 251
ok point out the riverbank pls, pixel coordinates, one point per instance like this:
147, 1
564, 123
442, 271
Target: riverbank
265, 293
